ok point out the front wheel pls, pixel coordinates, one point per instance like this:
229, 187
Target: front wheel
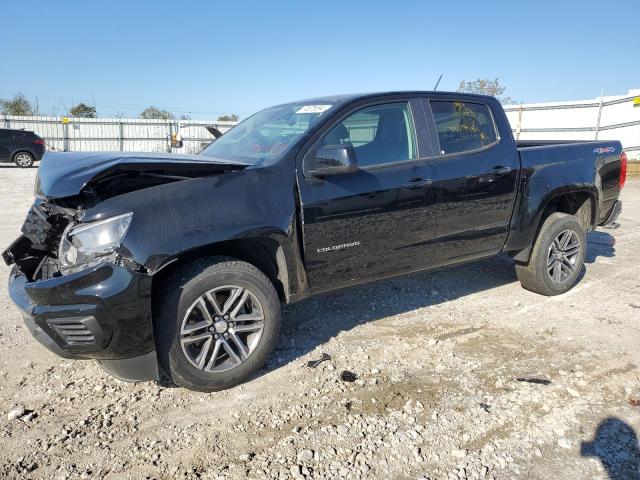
217, 323
557, 257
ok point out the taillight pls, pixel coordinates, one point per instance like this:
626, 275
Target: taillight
39, 141
623, 169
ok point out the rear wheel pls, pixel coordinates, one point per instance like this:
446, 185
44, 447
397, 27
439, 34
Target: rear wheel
217, 324
557, 257
23, 159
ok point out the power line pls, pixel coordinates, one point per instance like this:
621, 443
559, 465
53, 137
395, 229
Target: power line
126, 106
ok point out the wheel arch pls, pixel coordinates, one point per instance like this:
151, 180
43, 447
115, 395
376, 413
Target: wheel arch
581, 202
271, 255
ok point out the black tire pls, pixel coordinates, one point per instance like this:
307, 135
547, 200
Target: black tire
24, 159
535, 275
180, 292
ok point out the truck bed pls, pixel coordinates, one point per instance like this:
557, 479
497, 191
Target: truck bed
581, 161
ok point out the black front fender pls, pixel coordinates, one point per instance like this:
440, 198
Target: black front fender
181, 219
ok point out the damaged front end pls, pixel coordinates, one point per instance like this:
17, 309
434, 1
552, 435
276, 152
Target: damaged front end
54, 242
79, 288
36, 247
35, 252
79, 294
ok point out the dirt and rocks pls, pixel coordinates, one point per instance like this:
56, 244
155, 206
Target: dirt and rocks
457, 374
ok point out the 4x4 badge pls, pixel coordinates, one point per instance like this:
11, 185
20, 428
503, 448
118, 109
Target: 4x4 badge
600, 150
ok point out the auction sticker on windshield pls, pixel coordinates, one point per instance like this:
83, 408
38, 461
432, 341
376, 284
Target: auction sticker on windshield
313, 108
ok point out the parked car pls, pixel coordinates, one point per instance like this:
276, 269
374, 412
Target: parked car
175, 266
20, 147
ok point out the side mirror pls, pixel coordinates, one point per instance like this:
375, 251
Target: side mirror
334, 160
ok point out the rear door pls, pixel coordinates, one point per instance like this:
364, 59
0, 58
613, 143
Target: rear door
377, 220
475, 177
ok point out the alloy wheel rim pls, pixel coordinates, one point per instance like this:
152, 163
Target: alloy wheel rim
563, 256
222, 328
23, 159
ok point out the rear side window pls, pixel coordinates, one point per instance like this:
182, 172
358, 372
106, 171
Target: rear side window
462, 126
380, 134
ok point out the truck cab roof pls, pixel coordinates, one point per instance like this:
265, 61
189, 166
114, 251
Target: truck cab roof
350, 97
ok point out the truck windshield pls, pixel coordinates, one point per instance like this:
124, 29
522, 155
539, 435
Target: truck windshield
265, 136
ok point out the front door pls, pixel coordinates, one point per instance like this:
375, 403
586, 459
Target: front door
376, 220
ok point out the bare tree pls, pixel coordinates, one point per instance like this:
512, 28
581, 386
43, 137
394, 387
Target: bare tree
485, 86
228, 118
18, 105
83, 110
155, 113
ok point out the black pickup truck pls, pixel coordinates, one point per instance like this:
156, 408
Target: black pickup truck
174, 267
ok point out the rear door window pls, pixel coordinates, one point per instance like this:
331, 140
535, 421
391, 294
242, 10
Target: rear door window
463, 126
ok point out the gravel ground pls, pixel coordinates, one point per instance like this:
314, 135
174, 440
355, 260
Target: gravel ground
459, 374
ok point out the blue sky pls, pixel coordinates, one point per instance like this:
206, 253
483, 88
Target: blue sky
207, 58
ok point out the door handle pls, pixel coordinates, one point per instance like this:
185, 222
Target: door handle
417, 182
500, 170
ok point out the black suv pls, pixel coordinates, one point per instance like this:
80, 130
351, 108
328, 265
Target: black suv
21, 147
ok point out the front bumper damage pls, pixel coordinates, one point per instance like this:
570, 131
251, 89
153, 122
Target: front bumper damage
80, 308
100, 312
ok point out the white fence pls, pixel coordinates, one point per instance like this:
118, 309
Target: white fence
69, 134
604, 118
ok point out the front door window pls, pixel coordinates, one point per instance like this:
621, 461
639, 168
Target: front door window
381, 134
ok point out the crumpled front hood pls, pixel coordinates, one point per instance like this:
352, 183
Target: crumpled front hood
66, 174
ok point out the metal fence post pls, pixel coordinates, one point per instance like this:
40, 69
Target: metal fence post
519, 128
5, 122
599, 114
65, 138
121, 135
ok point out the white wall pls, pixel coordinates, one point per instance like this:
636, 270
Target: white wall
578, 120
116, 134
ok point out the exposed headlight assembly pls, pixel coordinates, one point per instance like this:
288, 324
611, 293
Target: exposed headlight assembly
88, 243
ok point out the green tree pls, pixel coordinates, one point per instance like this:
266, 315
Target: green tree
228, 118
155, 113
485, 86
18, 105
83, 110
